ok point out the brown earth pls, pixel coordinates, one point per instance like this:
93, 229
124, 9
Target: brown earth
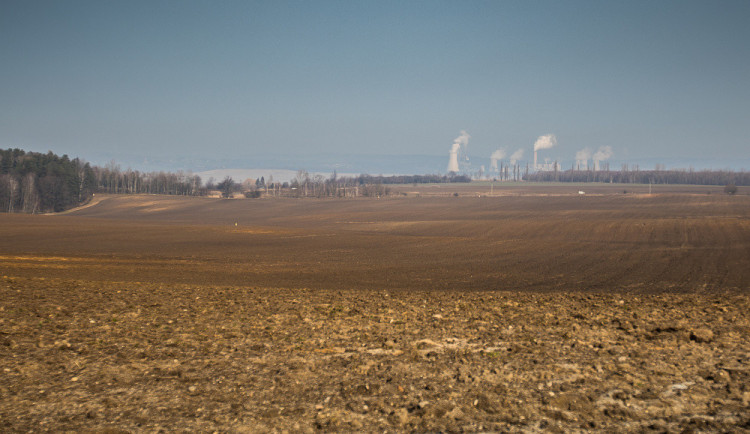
534, 309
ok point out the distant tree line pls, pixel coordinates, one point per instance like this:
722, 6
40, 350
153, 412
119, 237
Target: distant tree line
32, 182
412, 179
112, 179
625, 176
306, 185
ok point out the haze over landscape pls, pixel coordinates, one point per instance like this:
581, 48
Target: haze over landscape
539, 219
379, 87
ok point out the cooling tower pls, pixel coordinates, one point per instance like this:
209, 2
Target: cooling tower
453, 160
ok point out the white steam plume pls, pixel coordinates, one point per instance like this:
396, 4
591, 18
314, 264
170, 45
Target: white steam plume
603, 153
497, 155
583, 155
582, 158
462, 139
516, 156
545, 142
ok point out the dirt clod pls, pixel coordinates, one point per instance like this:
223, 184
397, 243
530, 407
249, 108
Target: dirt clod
702, 335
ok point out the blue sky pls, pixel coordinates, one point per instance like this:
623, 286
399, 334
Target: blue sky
223, 79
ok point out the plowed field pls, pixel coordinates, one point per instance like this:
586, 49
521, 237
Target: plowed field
533, 309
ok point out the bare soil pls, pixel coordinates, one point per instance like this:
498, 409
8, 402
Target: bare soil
526, 311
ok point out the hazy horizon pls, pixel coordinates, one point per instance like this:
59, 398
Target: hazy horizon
242, 81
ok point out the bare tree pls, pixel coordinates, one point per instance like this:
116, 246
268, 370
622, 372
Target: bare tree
227, 187
29, 196
12, 191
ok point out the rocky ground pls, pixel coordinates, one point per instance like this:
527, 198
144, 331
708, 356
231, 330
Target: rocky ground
84, 355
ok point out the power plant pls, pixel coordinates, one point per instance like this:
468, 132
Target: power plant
459, 163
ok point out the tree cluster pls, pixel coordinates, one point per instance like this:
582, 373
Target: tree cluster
227, 187
702, 177
506, 172
32, 182
304, 185
111, 179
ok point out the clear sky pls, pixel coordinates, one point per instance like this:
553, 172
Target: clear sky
223, 78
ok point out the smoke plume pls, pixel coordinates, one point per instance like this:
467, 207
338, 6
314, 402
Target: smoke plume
603, 153
583, 155
582, 158
498, 155
545, 142
462, 139
458, 142
516, 156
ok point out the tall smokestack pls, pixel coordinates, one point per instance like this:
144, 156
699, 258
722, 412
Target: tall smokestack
534, 159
